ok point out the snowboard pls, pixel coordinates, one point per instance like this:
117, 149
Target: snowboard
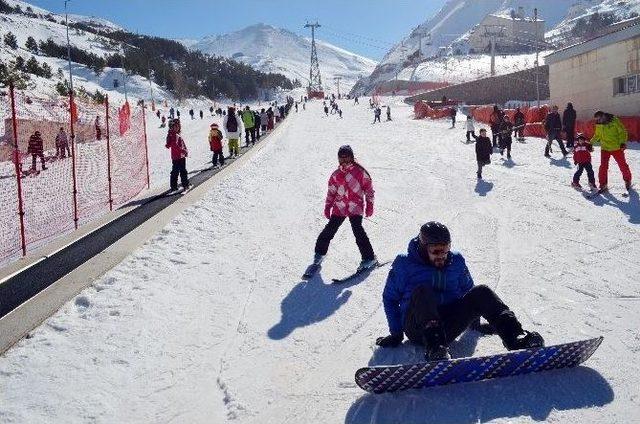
391, 378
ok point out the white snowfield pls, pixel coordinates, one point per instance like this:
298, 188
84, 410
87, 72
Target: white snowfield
209, 321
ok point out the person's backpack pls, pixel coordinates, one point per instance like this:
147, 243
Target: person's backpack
232, 123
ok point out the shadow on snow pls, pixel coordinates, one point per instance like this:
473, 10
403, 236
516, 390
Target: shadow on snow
630, 207
310, 302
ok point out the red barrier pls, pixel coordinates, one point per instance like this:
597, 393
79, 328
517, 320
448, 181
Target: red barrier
534, 130
55, 185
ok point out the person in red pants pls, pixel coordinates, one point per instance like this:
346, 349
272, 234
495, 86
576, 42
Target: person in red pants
612, 136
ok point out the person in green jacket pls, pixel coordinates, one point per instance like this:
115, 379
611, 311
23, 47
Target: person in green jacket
612, 136
249, 121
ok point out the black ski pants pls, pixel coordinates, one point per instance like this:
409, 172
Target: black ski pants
362, 240
554, 135
218, 156
471, 134
179, 166
571, 136
34, 156
494, 135
455, 317
590, 176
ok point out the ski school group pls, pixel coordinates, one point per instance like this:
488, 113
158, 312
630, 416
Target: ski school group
610, 133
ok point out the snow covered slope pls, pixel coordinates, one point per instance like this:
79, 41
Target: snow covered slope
457, 17
209, 322
271, 49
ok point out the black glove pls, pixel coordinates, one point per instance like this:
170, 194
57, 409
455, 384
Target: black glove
623, 146
392, 340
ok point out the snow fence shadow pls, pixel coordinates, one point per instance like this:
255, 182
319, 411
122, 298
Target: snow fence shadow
533, 395
310, 302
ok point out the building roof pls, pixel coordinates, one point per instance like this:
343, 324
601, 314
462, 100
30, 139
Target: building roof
631, 31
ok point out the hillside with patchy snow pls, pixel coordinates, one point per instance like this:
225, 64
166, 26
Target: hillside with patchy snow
271, 49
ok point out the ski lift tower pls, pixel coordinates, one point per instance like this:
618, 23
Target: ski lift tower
315, 82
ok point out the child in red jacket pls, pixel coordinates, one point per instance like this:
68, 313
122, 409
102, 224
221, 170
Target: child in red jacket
582, 157
179, 155
215, 143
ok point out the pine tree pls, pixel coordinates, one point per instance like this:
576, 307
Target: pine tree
46, 70
10, 40
33, 67
31, 45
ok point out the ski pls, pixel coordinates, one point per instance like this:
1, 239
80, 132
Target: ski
185, 190
355, 274
391, 378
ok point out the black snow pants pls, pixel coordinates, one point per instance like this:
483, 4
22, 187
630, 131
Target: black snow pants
362, 240
179, 166
455, 317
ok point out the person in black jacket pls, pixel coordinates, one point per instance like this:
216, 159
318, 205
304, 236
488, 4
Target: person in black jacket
258, 124
505, 129
484, 149
553, 127
569, 123
518, 123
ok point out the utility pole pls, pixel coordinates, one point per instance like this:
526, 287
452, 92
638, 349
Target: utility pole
535, 18
315, 81
124, 76
338, 83
493, 32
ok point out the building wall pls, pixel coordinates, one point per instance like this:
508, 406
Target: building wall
500, 89
587, 80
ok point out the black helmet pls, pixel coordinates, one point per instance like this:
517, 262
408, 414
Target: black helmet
345, 150
434, 233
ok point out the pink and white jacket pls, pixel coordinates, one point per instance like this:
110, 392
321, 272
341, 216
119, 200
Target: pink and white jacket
349, 188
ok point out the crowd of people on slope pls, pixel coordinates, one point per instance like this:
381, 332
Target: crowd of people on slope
610, 134
253, 124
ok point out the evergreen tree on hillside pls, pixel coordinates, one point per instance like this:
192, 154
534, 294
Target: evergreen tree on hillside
31, 45
10, 40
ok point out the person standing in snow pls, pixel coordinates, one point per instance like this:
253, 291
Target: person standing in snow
248, 121
62, 144
388, 113
452, 113
326, 110
296, 107
483, 151
376, 114
518, 124
582, 158
553, 127
494, 122
505, 129
179, 155
172, 112
270, 119
569, 124
36, 149
263, 120
430, 296
257, 123
201, 114
231, 125
191, 113
471, 131
215, 144
612, 136
350, 195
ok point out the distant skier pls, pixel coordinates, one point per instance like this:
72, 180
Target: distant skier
62, 144
388, 113
248, 120
356, 100
36, 149
376, 114
296, 107
270, 119
263, 120
98, 128
350, 195
163, 122
505, 129
471, 130
257, 123
231, 125
178, 113
191, 113
172, 113
518, 124
430, 296
484, 149
179, 155
215, 144
582, 158
569, 124
452, 113
612, 136
201, 114
340, 113
553, 127
326, 110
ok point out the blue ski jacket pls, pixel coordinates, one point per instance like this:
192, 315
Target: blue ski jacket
409, 271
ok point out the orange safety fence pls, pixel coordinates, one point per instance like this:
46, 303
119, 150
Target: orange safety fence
70, 166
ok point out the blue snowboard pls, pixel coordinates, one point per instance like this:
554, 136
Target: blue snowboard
390, 378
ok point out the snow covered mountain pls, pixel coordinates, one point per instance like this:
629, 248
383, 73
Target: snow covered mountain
271, 49
458, 17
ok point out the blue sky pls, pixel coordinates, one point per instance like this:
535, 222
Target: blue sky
367, 27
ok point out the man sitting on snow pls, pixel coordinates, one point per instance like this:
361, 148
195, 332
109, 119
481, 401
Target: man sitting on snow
429, 296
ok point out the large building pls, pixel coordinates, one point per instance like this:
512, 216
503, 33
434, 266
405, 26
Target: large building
512, 33
599, 74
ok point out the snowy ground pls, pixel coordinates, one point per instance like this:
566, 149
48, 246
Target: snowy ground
210, 322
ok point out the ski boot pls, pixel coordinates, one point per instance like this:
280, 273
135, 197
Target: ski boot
367, 264
524, 340
314, 267
576, 185
627, 185
434, 340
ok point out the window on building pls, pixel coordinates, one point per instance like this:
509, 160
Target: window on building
619, 86
632, 84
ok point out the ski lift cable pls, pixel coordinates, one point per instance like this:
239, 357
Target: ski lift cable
354, 40
359, 36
